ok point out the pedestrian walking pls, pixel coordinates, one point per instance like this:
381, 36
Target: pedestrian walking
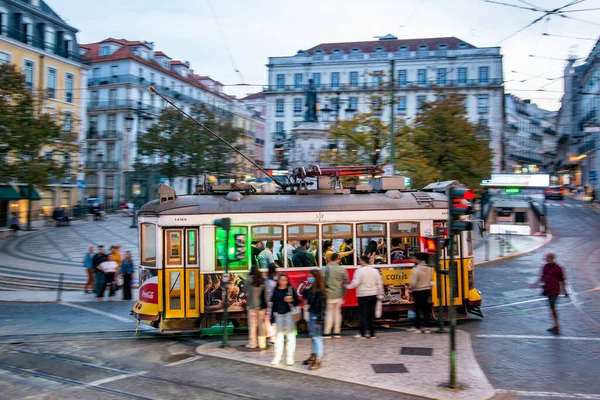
88, 263
314, 297
109, 268
336, 279
420, 283
14, 224
257, 303
98, 259
127, 274
369, 288
270, 284
284, 298
553, 279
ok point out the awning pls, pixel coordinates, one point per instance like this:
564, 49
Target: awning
9, 193
25, 193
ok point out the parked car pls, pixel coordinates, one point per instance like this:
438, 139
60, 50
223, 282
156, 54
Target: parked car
554, 192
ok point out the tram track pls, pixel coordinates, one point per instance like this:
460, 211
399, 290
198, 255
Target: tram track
121, 373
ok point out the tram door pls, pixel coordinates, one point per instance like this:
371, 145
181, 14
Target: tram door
181, 273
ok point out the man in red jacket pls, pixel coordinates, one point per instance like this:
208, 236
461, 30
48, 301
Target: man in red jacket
553, 279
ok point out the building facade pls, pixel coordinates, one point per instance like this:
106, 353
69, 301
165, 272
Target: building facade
44, 47
347, 75
579, 123
530, 137
257, 104
121, 107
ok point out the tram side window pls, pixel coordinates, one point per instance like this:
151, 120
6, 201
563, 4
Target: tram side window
404, 240
307, 235
262, 236
337, 238
148, 239
236, 247
372, 241
192, 246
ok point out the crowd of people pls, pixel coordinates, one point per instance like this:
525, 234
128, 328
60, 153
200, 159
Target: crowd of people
273, 304
305, 253
108, 271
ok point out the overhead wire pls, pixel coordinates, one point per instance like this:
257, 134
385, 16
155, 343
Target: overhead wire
226, 44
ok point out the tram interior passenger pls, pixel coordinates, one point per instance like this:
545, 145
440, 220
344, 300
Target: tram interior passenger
398, 252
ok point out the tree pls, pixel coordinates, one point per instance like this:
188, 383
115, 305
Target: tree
443, 144
177, 146
26, 133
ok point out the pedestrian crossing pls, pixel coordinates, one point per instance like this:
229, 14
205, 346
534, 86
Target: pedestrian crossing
567, 205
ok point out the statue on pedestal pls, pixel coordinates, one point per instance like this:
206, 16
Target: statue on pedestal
311, 103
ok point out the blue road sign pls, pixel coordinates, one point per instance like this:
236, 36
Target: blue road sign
80, 184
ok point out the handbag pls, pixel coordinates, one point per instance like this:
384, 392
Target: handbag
378, 309
295, 310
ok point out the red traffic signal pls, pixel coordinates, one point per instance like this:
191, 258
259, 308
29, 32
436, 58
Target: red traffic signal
462, 199
431, 244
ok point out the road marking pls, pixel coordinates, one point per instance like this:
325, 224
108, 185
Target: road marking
582, 338
550, 394
579, 205
93, 310
113, 378
184, 361
514, 304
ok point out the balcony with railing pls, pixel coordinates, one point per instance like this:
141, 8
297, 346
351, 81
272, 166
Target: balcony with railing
278, 136
164, 90
39, 43
405, 85
101, 165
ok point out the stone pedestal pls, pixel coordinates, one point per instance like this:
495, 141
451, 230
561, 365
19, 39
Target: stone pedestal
310, 139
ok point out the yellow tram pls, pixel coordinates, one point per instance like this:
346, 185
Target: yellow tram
181, 250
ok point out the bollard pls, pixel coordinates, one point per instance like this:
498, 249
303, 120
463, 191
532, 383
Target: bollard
61, 277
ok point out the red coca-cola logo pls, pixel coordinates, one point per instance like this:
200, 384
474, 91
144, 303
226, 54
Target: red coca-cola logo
149, 293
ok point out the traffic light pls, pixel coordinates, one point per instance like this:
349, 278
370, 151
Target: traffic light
433, 250
460, 203
240, 247
223, 223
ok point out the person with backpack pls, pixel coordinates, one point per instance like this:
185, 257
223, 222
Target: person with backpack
284, 299
257, 302
336, 279
314, 297
553, 279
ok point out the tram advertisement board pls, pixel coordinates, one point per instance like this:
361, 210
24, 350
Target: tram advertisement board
213, 292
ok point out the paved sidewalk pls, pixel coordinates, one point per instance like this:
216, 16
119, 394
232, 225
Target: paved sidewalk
498, 250
354, 361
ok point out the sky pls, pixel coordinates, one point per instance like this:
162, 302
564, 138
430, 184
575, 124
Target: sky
219, 37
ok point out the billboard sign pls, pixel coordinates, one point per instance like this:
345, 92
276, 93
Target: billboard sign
518, 180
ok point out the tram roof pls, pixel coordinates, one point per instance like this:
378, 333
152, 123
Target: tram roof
256, 203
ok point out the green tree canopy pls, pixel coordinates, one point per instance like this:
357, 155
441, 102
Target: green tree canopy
177, 146
32, 143
442, 144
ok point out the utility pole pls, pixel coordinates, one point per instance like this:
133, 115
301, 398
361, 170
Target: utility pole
392, 136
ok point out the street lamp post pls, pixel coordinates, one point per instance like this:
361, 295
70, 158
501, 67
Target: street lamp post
99, 164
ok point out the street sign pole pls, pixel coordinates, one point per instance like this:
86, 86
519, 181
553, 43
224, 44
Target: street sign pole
225, 286
451, 308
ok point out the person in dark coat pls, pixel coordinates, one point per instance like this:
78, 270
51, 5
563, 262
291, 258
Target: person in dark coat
315, 299
300, 256
98, 259
127, 273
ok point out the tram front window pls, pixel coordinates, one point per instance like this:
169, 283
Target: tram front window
372, 241
148, 248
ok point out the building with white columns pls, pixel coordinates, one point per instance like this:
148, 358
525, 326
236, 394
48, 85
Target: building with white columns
347, 74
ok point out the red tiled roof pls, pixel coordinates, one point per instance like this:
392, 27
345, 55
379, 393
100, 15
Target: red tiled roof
161, 54
389, 45
254, 96
124, 53
177, 62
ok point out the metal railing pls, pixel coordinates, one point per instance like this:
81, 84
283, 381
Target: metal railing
102, 165
39, 43
403, 85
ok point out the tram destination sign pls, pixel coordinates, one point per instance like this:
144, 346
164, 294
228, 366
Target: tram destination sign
518, 180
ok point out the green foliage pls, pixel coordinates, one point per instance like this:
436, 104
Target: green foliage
443, 144
361, 141
26, 134
177, 146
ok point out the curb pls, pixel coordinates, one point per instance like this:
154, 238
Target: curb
548, 239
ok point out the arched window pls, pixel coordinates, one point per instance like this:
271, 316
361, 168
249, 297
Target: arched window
355, 51
318, 52
379, 50
423, 51
404, 52
463, 46
442, 50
